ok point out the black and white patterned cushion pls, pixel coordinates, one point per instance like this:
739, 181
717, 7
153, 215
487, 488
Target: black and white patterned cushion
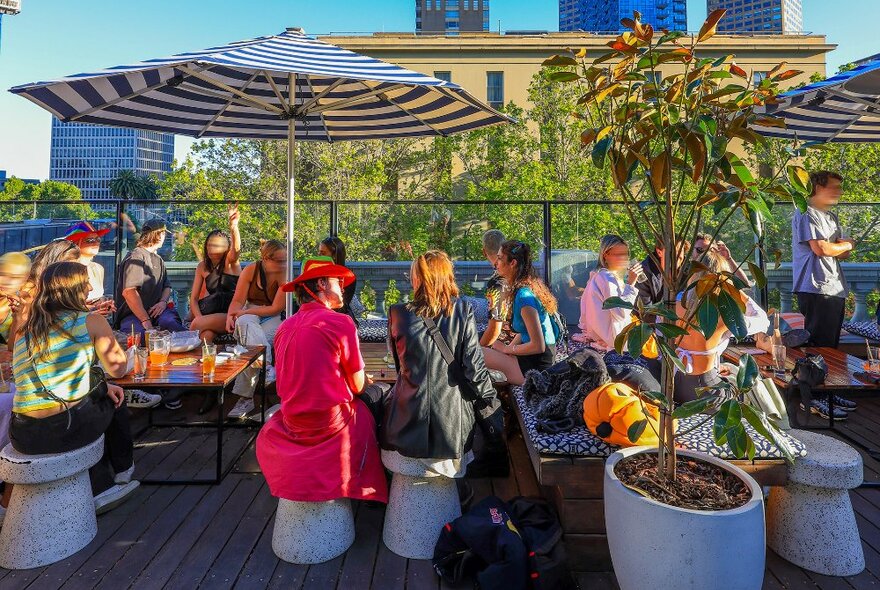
581, 442
869, 330
373, 330
357, 308
480, 307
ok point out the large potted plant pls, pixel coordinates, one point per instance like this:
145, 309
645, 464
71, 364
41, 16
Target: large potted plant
663, 121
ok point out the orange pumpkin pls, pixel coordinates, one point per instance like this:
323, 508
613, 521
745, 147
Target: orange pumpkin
610, 409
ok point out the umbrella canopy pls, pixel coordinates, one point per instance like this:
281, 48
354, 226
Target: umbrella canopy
285, 86
250, 89
843, 108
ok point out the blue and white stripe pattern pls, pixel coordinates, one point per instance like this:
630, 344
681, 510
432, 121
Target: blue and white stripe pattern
844, 108
242, 90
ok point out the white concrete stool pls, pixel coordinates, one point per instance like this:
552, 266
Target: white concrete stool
312, 532
51, 513
810, 521
419, 504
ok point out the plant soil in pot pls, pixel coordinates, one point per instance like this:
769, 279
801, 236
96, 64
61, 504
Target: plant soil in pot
666, 547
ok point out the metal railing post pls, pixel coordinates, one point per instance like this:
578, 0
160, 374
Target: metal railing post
334, 218
120, 235
548, 241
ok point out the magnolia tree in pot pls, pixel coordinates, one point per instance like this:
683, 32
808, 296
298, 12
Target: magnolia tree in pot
662, 121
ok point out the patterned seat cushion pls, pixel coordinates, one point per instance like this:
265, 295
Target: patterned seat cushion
869, 330
480, 307
581, 442
372, 330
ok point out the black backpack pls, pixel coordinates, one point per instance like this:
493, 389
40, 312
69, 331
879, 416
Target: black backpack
537, 522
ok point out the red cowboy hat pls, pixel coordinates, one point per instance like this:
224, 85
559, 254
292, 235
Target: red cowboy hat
320, 267
83, 229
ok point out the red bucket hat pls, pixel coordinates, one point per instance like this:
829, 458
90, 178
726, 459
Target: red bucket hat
82, 230
320, 267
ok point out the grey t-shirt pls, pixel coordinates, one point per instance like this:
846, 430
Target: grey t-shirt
812, 273
144, 271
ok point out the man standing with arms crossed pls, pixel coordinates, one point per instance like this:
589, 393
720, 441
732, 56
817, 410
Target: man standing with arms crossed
817, 249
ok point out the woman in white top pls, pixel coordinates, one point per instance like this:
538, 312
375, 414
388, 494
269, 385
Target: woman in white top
614, 277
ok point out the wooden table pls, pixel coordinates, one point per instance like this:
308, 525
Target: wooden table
378, 369
190, 377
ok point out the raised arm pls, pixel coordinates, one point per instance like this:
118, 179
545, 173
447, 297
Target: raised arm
233, 257
111, 355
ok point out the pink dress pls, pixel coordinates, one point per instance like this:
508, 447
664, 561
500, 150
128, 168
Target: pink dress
322, 444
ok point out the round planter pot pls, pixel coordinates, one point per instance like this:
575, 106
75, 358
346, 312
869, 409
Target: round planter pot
661, 547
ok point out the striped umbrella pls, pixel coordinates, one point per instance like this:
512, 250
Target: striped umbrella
286, 86
844, 108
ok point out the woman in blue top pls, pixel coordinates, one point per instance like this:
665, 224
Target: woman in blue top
534, 345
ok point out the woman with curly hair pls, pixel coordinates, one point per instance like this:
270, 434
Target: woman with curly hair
534, 345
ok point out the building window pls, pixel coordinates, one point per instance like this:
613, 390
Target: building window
445, 76
495, 89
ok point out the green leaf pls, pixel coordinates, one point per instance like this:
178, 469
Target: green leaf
670, 330
648, 61
732, 316
741, 170
600, 152
707, 317
662, 310
720, 75
693, 407
656, 397
560, 60
563, 77
747, 373
635, 430
670, 356
758, 421
620, 339
798, 177
800, 201
727, 420
671, 36
757, 274
616, 303
636, 339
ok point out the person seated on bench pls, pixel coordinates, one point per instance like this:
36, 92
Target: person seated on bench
442, 378
333, 247
701, 356
499, 312
215, 279
57, 407
531, 303
321, 445
256, 311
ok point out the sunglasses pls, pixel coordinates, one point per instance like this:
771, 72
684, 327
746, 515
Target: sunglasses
91, 241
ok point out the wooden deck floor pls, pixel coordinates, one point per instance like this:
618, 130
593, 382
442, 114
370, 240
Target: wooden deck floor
182, 537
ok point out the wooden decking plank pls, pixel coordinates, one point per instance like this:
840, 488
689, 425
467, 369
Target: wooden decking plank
261, 563
213, 538
420, 575
245, 537
506, 487
770, 582
187, 456
597, 580
288, 576
360, 560
390, 570
787, 573
522, 467
163, 564
829, 582
324, 576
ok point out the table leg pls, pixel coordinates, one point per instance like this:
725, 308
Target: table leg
220, 420
262, 387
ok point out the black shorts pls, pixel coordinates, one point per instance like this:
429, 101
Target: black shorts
537, 362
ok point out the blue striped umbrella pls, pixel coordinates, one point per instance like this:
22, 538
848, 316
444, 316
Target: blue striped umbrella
286, 86
844, 108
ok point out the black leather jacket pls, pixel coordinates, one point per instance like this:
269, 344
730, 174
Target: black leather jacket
429, 413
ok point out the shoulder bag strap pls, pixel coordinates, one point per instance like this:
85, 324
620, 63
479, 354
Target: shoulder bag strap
439, 341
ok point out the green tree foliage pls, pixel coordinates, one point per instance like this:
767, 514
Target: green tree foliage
130, 186
49, 190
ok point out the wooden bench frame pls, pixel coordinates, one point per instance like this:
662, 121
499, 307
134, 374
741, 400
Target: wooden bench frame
575, 485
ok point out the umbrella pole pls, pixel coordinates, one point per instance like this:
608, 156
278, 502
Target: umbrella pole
291, 190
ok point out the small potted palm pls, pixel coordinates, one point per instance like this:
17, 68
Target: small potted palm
664, 122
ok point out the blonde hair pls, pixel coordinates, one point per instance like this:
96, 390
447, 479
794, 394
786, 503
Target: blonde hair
607, 242
269, 247
715, 263
437, 287
62, 288
13, 259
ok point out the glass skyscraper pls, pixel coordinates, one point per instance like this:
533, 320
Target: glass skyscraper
90, 156
603, 16
759, 16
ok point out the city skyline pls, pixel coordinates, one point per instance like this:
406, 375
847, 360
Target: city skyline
94, 39
452, 16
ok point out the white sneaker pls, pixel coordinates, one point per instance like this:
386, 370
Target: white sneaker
114, 496
242, 408
270, 374
124, 477
269, 413
137, 398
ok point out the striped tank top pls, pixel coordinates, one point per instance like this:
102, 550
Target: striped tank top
63, 369
5, 328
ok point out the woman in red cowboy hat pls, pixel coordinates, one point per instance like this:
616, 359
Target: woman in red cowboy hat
84, 235
321, 445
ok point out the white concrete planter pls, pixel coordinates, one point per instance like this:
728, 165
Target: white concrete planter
661, 547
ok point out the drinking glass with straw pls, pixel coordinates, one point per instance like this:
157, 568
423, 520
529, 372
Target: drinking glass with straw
873, 361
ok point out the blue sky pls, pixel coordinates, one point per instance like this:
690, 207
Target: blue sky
51, 38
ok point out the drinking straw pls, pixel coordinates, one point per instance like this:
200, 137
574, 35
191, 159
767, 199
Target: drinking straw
868, 346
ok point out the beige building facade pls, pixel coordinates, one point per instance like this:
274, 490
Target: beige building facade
498, 68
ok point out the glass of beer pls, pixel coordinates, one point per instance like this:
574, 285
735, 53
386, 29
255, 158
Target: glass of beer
160, 348
209, 361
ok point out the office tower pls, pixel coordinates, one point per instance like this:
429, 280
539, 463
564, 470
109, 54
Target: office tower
759, 16
452, 16
90, 156
603, 16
